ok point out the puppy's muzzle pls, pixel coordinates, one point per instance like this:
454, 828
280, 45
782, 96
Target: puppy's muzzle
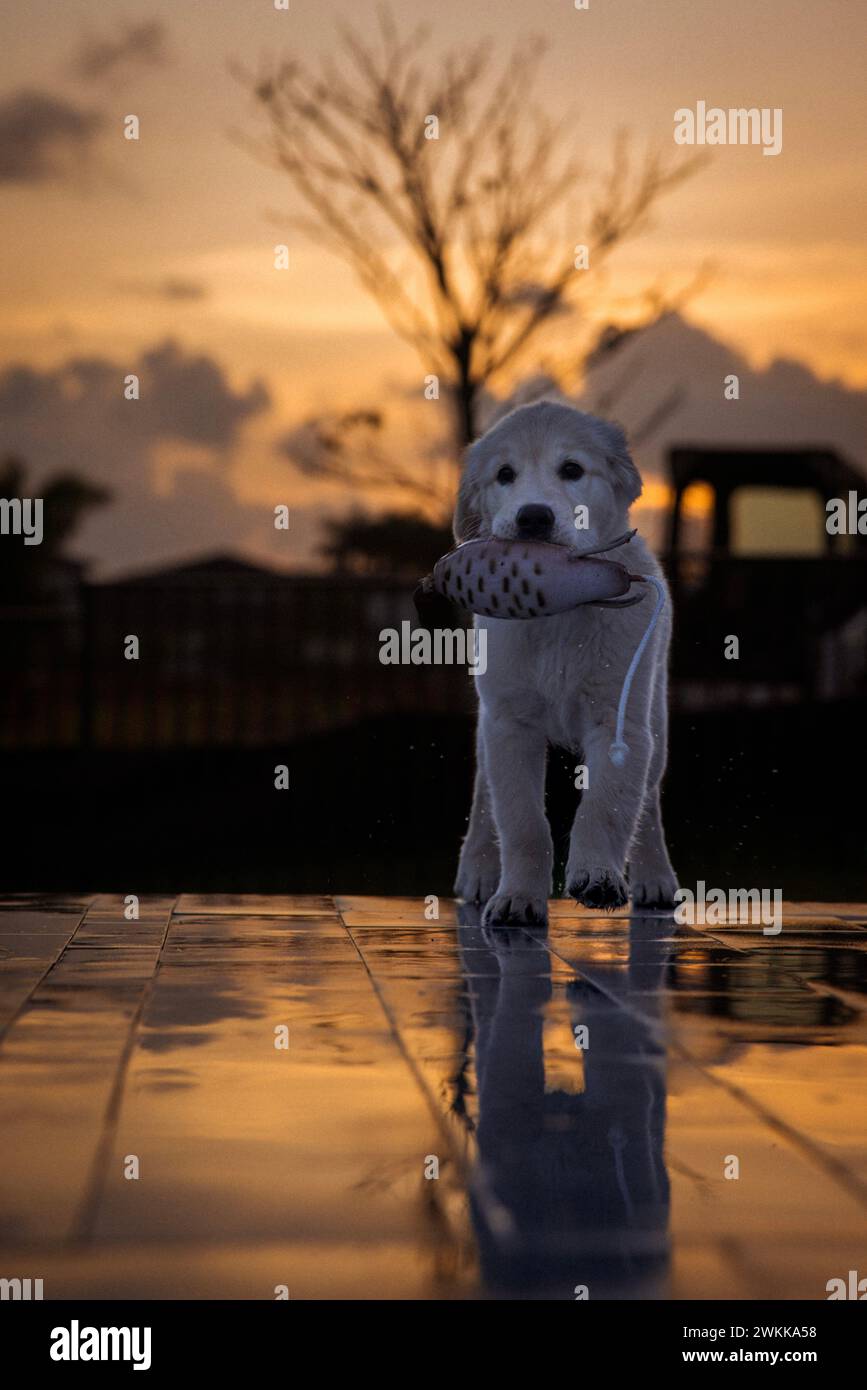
535, 522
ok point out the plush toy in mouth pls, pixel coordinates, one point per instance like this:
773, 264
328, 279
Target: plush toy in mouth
535, 579
530, 579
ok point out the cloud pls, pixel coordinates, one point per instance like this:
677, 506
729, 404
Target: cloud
782, 405
134, 45
188, 398
77, 411
74, 418
181, 289
170, 458
44, 138
172, 288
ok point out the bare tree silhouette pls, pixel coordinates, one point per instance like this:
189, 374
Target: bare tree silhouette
390, 544
454, 237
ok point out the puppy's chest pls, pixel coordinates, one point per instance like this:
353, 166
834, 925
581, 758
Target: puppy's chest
571, 668
575, 691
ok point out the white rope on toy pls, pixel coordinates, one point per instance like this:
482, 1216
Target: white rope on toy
619, 749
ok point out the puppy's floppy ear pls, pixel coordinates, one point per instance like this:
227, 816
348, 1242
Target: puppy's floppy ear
467, 523
627, 479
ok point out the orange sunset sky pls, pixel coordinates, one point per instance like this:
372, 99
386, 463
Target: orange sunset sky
113, 248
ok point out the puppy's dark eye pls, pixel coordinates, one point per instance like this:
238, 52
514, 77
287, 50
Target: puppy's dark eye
506, 474
570, 470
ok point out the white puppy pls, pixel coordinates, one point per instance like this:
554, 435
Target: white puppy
557, 680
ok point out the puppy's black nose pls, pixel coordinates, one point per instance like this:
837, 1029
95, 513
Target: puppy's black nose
535, 522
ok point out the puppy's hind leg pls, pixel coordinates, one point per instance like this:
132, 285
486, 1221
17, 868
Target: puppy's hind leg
652, 880
479, 864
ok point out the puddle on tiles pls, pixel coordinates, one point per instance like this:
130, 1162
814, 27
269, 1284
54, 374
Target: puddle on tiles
589, 1101
562, 1089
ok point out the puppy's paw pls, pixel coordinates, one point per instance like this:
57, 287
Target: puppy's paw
655, 892
478, 876
515, 910
598, 886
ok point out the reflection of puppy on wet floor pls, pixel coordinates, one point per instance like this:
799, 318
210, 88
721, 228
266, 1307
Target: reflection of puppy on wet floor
571, 1189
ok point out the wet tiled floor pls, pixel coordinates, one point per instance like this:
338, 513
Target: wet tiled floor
342, 1098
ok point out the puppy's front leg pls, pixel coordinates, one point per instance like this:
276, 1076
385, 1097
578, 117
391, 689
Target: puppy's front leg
606, 819
515, 754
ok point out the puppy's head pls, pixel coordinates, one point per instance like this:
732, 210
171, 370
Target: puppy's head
526, 477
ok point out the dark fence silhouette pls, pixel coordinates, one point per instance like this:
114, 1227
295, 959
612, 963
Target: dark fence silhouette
161, 771
235, 656
229, 655
801, 626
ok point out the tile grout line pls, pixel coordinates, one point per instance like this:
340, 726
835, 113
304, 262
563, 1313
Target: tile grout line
10, 1022
834, 1168
458, 1158
81, 1229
